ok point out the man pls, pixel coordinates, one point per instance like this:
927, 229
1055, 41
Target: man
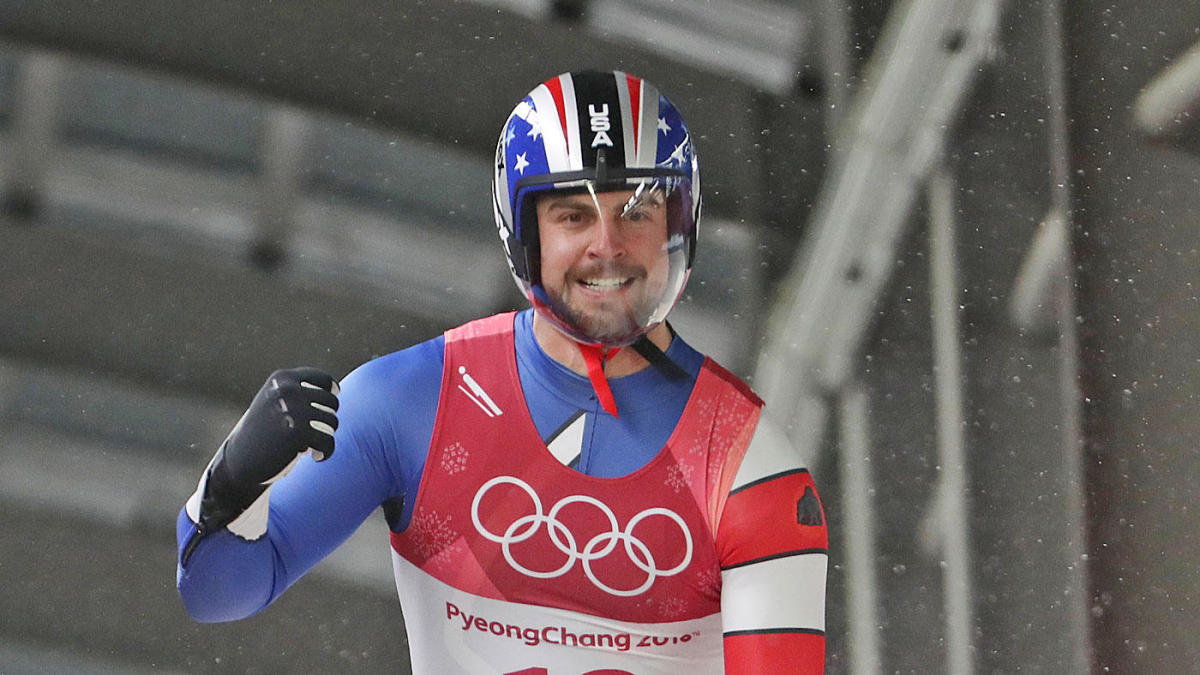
570, 489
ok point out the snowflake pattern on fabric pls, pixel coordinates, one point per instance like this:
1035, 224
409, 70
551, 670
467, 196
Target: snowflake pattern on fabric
445, 559
728, 430
709, 582
454, 458
672, 608
667, 608
707, 409
432, 532
678, 476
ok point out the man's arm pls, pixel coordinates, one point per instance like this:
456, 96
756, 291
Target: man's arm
385, 421
773, 546
311, 512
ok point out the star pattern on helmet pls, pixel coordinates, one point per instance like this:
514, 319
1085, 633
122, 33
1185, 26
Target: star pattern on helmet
529, 114
674, 143
535, 128
526, 112
523, 147
680, 156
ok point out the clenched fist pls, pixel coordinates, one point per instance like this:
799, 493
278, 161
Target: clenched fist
294, 412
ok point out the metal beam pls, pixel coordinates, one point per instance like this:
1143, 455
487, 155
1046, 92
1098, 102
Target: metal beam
953, 514
1168, 109
445, 71
858, 510
918, 77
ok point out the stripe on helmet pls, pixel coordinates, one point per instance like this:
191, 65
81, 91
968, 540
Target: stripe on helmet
548, 102
500, 197
629, 92
571, 121
599, 113
647, 151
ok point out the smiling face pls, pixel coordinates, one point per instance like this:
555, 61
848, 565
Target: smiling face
604, 262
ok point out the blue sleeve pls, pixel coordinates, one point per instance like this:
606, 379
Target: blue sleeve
386, 416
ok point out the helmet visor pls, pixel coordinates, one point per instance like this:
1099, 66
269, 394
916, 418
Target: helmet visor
610, 258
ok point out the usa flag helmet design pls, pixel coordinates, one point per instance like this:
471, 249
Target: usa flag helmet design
598, 132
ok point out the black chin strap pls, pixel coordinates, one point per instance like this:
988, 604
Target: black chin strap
657, 358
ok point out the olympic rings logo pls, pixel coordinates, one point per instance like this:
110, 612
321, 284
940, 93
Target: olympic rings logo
564, 540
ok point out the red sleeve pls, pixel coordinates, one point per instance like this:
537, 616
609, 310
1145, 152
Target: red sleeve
795, 653
773, 545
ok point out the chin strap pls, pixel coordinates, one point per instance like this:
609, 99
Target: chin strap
594, 357
658, 358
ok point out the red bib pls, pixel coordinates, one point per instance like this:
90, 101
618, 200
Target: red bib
504, 528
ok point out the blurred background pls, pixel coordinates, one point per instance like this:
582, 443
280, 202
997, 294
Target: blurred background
955, 244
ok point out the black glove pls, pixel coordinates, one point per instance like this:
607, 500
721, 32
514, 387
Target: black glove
293, 413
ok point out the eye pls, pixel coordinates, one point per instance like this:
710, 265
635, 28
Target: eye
570, 217
573, 216
643, 212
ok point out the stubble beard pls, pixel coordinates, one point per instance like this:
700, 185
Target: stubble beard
614, 319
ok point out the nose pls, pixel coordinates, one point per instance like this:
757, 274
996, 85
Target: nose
607, 240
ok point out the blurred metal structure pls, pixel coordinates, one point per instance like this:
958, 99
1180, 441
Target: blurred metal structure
915, 86
901, 128
865, 653
950, 508
902, 120
758, 42
1168, 110
33, 142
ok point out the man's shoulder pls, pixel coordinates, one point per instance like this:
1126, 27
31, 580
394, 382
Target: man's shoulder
497, 324
399, 368
732, 381
424, 360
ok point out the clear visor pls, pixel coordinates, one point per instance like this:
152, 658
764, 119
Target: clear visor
610, 260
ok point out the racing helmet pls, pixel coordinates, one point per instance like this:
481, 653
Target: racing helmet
588, 133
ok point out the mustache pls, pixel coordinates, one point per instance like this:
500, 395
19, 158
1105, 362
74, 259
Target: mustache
607, 269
